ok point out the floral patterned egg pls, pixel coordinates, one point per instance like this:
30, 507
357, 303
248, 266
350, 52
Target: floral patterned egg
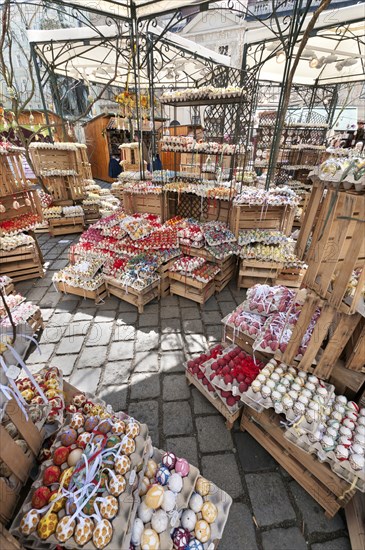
79, 400
102, 534
150, 540
77, 421
91, 423
59, 504
30, 522
97, 410
52, 383
84, 531
122, 464
118, 427
68, 437
47, 526
151, 468
28, 395
209, 511
83, 439
109, 507
60, 455
117, 485
65, 529
50, 394
105, 426
128, 445
202, 486
132, 429
112, 441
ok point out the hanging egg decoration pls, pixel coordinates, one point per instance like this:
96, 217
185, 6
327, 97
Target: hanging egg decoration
2, 208
27, 202
16, 205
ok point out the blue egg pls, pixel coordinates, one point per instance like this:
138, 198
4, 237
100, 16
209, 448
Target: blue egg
194, 544
162, 475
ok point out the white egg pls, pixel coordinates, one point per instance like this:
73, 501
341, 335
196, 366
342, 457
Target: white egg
188, 520
175, 483
196, 502
169, 501
144, 512
137, 531
159, 521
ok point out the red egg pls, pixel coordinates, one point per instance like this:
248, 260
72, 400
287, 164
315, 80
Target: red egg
51, 475
231, 401
60, 455
40, 497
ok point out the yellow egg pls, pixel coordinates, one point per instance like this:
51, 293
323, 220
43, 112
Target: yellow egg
151, 468
47, 526
28, 394
50, 394
66, 477
202, 486
202, 530
59, 504
154, 497
209, 512
144, 486
150, 540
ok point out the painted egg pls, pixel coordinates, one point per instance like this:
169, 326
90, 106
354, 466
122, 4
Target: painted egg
188, 520
357, 462
83, 439
84, 531
102, 534
65, 529
154, 497
132, 429
122, 464
137, 531
118, 427
51, 475
68, 437
180, 538
40, 497
175, 483
144, 486
128, 445
79, 400
77, 421
202, 486
162, 475
182, 467
169, 460
196, 502
202, 530
89, 507
144, 512
71, 409
105, 426
29, 522
109, 507
74, 457
70, 506
28, 394
103, 478
151, 468
95, 410
112, 441
99, 439
66, 477
47, 526
150, 540
60, 455
159, 521
117, 485
50, 394
59, 503
209, 512
169, 501
194, 544
91, 423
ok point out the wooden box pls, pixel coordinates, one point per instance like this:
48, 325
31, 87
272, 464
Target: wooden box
66, 226
12, 175
245, 216
22, 263
253, 272
98, 295
152, 203
227, 272
138, 298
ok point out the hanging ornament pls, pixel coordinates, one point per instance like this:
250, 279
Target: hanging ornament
31, 118
69, 130
16, 205
27, 202
2, 208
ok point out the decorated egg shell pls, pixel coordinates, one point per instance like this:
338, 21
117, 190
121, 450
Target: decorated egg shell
28, 394
151, 468
196, 502
144, 512
87, 406
203, 486
180, 538
74, 457
341, 452
112, 441
29, 522
188, 520
202, 530
70, 506
182, 467
209, 511
122, 464
169, 460
59, 503
357, 462
66, 477
118, 427
77, 421
194, 544
132, 429
159, 521
168, 501
128, 445
145, 483
108, 507
150, 540
68, 437
89, 507
91, 423
175, 483
65, 528
60, 455
154, 497
83, 439
11, 429
117, 484
137, 530
51, 475
40, 497
99, 439
71, 409
105, 426
47, 526
84, 531
102, 533
162, 475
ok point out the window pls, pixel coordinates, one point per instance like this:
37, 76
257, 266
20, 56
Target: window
223, 50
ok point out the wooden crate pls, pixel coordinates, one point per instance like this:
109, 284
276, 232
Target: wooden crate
29, 204
253, 272
152, 203
83, 164
227, 271
66, 226
245, 342
163, 272
190, 288
9, 289
136, 297
291, 277
330, 491
12, 175
52, 158
337, 248
98, 295
56, 186
75, 187
280, 218
22, 263
308, 221
217, 403
355, 516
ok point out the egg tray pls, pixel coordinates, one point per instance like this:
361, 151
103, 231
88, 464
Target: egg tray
213, 395
121, 523
340, 468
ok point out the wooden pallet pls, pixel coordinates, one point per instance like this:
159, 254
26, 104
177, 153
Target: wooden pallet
22, 263
355, 517
253, 272
290, 277
135, 203
280, 218
217, 403
98, 295
135, 297
56, 186
337, 248
192, 292
66, 226
330, 491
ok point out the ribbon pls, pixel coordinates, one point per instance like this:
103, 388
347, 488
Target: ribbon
24, 366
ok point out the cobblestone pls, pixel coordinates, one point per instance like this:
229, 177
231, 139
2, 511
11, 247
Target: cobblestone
92, 357
46, 351
239, 533
72, 344
146, 361
146, 340
270, 502
100, 334
171, 342
223, 471
144, 386
342, 543
121, 350
86, 379
284, 539
213, 435
115, 395
117, 372
177, 419
175, 388
184, 446
147, 413
172, 361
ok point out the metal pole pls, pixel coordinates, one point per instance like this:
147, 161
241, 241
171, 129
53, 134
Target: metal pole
135, 52
152, 95
38, 74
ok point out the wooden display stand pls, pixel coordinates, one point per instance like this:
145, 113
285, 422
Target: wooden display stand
22, 263
91, 213
280, 218
83, 164
190, 288
66, 226
203, 209
98, 295
329, 490
291, 277
12, 175
138, 298
253, 272
138, 203
29, 204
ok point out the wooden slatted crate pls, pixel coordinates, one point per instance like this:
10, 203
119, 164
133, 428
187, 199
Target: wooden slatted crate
66, 226
22, 263
163, 272
190, 288
245, 216
56, 186
12, 175
138, 298
98, 295
253, 272
151, 203
227, 272
291, 277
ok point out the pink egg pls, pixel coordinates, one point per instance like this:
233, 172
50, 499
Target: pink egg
182, 467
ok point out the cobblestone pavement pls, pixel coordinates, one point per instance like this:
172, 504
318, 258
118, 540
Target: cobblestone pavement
135, 362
